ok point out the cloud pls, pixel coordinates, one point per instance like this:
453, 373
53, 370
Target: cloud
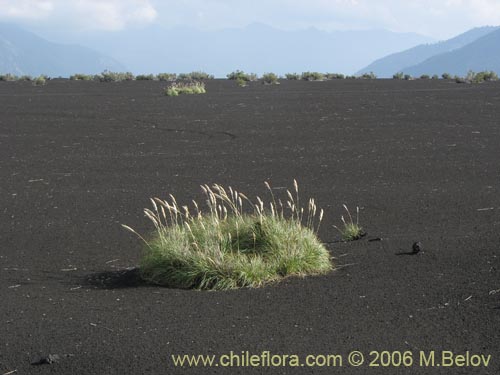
25, 9
439, 18
82, 14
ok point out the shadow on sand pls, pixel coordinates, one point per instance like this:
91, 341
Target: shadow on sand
128, 278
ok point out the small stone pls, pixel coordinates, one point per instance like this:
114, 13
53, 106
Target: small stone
417, 247
48, 360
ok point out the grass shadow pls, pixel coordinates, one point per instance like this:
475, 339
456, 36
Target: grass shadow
121, 279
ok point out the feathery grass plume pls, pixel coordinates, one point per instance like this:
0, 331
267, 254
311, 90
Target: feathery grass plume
236, 243
351, 230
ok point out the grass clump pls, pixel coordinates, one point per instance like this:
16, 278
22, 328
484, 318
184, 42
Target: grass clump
331, 76
166, 76
195, 76
398, 75
312, 76
228, 248
425, 76
108, 76
40, 80
446, 76
241, 75
370, 75
8, 77
145, 77
351, 230
292, 76
81, 77
176, 89
270, 79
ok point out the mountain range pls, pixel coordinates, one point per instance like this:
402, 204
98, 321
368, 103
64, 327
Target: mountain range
477, 49
24, 53
255, 48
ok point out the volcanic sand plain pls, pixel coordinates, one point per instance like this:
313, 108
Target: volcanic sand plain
78, 159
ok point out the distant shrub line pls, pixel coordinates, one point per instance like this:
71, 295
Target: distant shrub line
471, 77
243, 79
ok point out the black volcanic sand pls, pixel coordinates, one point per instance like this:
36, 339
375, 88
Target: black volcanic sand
77, 159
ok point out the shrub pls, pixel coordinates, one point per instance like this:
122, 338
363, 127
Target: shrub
459, 79
446, 76
80, 77
8, 77
145, 77
108, 76
166, 77
485, 76
398, 75
312, 76
435, 76
241, 82
25, 78
425, 76
226, 247
40, 80
334, 76
351, 230
195, 76
176, 89
292, 76
408, 77
238, 74
370, 75
270, 79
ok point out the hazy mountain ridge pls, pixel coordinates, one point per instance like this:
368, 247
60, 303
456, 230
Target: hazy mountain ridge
408, 60
255, 48
24, 53
480, 55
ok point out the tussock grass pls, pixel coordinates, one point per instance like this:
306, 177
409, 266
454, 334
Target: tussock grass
351, 229
236, 243
178, 88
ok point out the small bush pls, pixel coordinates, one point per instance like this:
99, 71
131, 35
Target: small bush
237, 243
241, 82
370, 75
145, 77
485, 76
270, 79
446, 76
398, 75
351, 230
292, 76
40, 80
166, 77
408, 77
238, 74
425, 76
8, 77
25, 78
80, 77
435, 76
176, 89
195, 76
334, 76
312, 76
108, 76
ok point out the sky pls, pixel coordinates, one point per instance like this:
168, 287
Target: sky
439, 19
